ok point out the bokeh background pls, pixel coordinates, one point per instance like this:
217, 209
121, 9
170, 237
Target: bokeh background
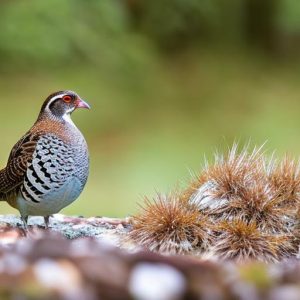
169, 81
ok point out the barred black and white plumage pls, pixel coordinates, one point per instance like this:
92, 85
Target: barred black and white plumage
52, 164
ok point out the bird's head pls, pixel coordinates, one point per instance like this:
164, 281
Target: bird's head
61, 104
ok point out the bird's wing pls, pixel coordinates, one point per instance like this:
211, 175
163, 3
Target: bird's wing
12, 177
52, 165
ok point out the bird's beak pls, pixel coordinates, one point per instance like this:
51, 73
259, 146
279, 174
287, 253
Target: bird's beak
82, 104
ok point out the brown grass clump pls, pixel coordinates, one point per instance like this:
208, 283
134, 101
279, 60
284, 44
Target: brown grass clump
220, 187
245, 185
252, 202
241, 241
260, 205
170, 226
284, 179
233, 173
237, 186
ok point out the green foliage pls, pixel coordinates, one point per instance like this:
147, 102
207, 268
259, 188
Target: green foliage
176, 22
115, 32
289, 16
61, 32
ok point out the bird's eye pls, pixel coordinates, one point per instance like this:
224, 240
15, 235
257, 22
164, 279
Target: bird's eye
67, 98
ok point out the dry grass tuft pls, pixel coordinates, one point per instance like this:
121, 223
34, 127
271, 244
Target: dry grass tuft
232, 174
252, 202
241, 241
284, 179
245, 185
167, 225
228, 180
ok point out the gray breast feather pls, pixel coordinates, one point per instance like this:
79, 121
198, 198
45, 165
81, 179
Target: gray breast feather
53, 164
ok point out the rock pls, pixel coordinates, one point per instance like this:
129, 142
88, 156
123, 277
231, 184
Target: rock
92, 259
109, 229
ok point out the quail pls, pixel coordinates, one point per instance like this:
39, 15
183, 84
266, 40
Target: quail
48, 168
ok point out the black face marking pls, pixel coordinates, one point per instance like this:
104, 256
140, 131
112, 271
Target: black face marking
50, 97
56, 106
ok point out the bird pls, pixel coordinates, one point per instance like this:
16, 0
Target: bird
48, 167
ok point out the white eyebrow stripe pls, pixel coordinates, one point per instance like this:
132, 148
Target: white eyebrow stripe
53, 99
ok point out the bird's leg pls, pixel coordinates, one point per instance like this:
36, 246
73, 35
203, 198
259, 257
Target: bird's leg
25, 220
47, 221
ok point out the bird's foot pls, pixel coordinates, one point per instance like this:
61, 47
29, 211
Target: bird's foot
47, 221
25, 225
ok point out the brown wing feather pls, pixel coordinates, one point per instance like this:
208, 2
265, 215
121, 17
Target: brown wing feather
11, 177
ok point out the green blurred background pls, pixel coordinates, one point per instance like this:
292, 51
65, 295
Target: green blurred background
169, 81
